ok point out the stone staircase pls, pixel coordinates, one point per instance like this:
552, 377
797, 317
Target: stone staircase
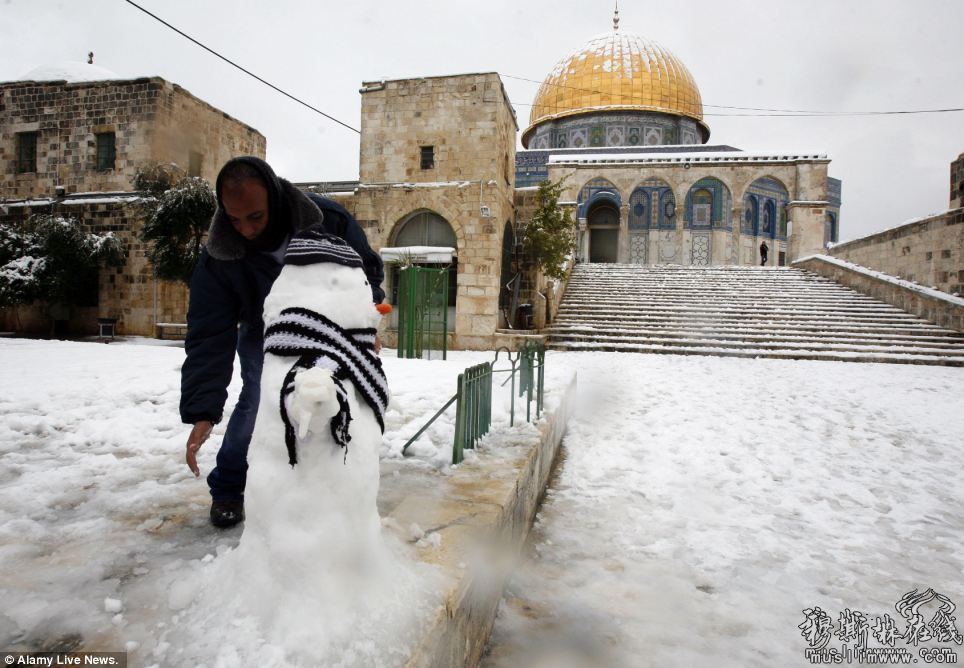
775, 312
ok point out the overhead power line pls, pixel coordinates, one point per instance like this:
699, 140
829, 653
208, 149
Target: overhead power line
803, 113
248, 72
769, 112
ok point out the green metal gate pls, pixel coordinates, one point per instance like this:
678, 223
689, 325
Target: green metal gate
423, 310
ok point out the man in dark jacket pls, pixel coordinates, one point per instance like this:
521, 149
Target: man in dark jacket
257, 214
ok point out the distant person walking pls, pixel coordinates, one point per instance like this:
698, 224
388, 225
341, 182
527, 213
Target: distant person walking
764, 251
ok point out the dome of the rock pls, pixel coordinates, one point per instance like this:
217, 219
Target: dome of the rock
617, 72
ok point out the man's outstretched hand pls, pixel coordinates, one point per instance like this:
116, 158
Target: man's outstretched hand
199, 434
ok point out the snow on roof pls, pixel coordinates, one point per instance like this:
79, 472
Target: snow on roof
116, 199
407, 185
77, 198
435, 254
70, 71
684, 157
43, 201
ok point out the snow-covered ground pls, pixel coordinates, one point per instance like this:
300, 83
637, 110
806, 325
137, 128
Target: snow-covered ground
104, 537
703, 503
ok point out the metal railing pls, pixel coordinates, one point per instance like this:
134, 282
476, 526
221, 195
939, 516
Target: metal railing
473, 396
473, 413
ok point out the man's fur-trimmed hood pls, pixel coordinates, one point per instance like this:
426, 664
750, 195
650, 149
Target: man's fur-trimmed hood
224, 242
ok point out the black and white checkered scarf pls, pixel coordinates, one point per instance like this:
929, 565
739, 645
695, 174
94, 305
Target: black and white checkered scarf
348, 353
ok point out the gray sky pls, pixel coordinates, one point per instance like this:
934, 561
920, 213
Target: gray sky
849, 55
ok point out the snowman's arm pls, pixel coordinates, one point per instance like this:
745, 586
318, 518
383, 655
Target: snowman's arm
313, 401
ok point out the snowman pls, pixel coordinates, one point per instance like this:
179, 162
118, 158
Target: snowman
311, 547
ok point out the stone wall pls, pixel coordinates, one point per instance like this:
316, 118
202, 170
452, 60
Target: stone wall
188, 125
466, 118
130, 293
152, 120
468, 121
940, 309
929, 251
957, 183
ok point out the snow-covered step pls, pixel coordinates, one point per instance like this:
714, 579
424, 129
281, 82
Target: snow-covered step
798, 354
570, 332
694, 341
736, 311
759, 324
740, 311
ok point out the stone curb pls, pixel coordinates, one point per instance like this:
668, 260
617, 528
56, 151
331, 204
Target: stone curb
482, 513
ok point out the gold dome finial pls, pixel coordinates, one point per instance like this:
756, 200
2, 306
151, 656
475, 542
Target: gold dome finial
616, 18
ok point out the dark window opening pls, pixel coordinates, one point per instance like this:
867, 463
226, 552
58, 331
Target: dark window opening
105, 150
26, 152
427, 157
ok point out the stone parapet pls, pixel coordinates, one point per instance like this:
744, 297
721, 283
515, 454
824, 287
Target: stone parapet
932, 305
929, 251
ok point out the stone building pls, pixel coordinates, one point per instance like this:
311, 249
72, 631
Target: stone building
436, 170
71, 139
620, 121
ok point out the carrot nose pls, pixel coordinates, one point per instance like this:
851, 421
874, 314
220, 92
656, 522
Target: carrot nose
384, 309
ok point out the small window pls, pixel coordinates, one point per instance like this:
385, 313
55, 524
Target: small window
194, 164
26, 152
427, 157
105, 150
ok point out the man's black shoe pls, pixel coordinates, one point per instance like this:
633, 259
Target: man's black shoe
226, 514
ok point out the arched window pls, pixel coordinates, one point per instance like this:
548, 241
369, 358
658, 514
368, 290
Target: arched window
708, 205
596, 190
769, 218
425, 228
702, 208
770, 197
751, 215
830, 229
639, 211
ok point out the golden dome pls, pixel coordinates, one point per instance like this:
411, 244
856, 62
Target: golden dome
617, 72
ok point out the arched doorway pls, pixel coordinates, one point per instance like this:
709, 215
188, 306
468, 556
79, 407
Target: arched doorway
421, 229
509, 280
603, 224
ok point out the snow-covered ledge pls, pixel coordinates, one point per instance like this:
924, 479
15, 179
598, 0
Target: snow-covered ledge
418, 254
938, 307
